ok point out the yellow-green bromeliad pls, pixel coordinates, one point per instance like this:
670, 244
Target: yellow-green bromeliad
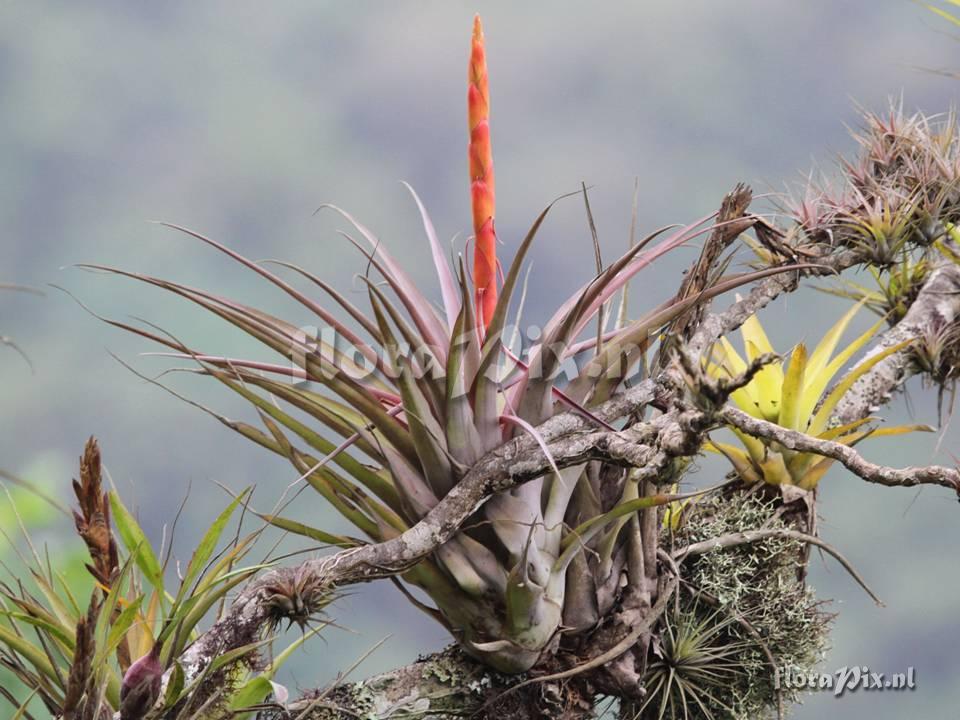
794, 394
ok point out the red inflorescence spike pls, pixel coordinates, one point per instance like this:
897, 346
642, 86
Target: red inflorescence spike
483, 196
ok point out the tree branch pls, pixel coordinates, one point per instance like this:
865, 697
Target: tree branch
936, 306
717, 325
446, 684
751, 536
850, 458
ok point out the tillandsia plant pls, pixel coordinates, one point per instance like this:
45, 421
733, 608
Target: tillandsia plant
433, 392
110, 656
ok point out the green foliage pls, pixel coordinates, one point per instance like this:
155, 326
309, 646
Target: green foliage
72, 656
795, 395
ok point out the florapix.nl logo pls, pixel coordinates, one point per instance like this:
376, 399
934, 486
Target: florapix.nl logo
854, 678
321, 354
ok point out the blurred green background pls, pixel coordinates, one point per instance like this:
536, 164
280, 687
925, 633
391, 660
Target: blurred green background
238, 119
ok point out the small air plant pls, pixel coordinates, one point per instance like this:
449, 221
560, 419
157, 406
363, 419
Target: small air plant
894, 198
695, 660
894, 291
881, 227
937, 356
297, 596
794, 395
813, 210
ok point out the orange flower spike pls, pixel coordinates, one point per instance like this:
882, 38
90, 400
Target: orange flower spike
483, 197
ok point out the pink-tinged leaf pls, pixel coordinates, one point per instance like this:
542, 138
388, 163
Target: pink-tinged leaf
351, 309
291, 371
419, 308
602, 288
566, 399
485, 385
321, 312
220, 361
422, 360
620, 273
425, 430
470, 338
532, 395
417, 495
463, 440
448, 286
532, 432
277, 334
579, 347
282, 337
373, 481
639, 332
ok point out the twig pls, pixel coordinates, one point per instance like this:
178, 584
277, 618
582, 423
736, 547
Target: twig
751, 536
850, 458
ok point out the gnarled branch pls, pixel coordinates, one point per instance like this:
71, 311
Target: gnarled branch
850, 458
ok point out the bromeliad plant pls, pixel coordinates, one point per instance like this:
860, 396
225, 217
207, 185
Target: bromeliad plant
415, 397
795, 395
87, 663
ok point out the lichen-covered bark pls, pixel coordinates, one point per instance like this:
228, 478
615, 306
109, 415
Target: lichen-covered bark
937, 306
443, 685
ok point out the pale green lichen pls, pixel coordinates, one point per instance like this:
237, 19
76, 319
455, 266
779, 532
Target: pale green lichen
441, 670
754, 593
